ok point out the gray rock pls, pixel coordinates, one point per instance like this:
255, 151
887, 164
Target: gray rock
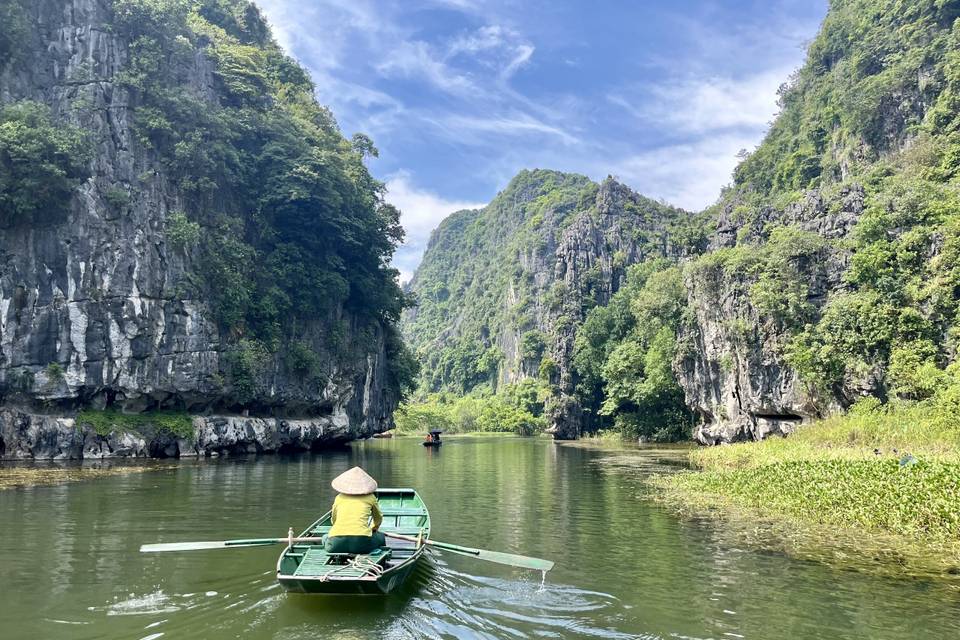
731, 365
28, 436
92, 309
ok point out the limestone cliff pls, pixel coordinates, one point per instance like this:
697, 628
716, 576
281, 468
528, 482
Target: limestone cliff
831, 275
101, 306
502, 291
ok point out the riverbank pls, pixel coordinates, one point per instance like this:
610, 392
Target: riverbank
888, 477
113, 435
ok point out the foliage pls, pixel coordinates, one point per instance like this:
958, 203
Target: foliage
105, 422
532, 345
874, 111
246, 362
55, 372
13, 17
117, 197
290, 225
42, 162
302, 359
477, 285
182, 232
517, 408
874, 62
624, 355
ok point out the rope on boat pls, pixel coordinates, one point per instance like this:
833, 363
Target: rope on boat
369, 568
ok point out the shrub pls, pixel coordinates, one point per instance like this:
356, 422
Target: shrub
42, 162
117, 197
182, 232
532, 345
55, 372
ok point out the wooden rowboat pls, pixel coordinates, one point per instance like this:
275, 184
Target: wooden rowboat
305, 567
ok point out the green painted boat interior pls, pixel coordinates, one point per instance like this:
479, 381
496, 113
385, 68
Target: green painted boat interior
403, 512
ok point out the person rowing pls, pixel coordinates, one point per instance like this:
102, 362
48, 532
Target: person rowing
356, 515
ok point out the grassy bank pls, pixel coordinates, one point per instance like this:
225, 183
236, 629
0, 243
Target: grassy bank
889, 471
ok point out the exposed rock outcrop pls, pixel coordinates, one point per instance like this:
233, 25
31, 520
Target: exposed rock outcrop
95, 304
26, 436
732, 369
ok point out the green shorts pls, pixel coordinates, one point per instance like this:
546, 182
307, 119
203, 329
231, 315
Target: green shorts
355, 544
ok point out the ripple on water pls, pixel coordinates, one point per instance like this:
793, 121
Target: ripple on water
457, 604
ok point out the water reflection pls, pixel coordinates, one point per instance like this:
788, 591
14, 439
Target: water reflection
626, 566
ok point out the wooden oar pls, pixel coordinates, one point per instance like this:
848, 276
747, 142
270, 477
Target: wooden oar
220, 544
510, 559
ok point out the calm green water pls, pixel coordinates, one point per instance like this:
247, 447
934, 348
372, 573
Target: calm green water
626, 567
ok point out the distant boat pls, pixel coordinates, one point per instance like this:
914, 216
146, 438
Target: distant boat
306, 567
433, 439
385, 434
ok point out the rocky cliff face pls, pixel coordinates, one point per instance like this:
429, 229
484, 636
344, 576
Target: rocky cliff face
26, 436
509, 285
860, 170
733, 371
829, 276
94, 310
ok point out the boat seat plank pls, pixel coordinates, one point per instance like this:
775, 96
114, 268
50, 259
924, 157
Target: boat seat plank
390, 511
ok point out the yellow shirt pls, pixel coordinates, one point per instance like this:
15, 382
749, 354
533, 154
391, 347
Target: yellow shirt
351, 515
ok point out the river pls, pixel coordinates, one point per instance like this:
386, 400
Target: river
626, 567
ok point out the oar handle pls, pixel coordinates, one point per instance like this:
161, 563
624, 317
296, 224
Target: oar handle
433, 543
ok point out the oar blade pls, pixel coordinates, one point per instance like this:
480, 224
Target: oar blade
513, 560
510, 559
210, 544
181, 546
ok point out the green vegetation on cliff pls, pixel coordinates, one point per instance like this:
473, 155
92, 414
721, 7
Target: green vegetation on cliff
624, 355
41, 164
874, 108
869, 318
287, 222
105, 422
503, 291
474, 277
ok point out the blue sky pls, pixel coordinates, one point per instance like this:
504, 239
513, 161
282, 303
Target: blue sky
459, 95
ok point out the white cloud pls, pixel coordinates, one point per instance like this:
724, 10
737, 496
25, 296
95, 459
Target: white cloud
504, 49
701, 105
477, 129
688, 174
420, 212
483, 39
522, 57
417, 59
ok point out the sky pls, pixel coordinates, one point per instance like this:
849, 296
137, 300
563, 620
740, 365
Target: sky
460, 95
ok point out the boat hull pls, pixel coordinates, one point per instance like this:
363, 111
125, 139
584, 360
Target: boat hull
305, 567
383, 585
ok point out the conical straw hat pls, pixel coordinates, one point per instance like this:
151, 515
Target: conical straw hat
355, 482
